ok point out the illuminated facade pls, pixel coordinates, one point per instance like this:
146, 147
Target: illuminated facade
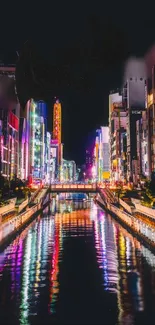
57, 127
90, 161
9, 124
151, 123
23, 149
117, 130
34, 141
68, 171
123, 155
129, 130
105, 153
101, 153
134, 102
145, 139
57, 121
38, 142
54, 148
142, 148
98, 157
48, 158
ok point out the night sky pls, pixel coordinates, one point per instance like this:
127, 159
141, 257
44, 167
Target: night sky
77, 53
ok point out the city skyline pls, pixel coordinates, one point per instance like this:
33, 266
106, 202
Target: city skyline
77, 163
86, 54
122, 151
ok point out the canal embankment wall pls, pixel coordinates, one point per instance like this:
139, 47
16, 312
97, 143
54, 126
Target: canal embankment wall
11, 227
143, 231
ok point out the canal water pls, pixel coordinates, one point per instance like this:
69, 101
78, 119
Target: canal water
76, 265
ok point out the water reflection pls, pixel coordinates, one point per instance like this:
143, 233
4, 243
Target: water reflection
76, 264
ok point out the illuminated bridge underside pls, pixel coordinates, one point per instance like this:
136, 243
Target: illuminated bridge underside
73, 188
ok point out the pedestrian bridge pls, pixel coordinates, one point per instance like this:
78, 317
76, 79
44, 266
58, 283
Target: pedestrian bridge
86, 188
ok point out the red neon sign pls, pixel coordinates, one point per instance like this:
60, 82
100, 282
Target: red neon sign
14, 121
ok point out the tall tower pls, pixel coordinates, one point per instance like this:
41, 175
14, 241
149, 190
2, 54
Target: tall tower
57, 121
57, 134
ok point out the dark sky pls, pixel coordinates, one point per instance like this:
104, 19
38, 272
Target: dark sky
80, 50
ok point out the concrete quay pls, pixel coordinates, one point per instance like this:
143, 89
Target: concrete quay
141, 229
10, 227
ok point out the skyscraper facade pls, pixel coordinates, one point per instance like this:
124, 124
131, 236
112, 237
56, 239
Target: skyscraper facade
56, 136
101, 154
89, 163
105, 152
9, 123
57, 126
34, 142
68, 171
134, 102
117, 131
151, 122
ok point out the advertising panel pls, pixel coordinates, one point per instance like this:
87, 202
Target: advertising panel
106, 175
13, 121
54, 152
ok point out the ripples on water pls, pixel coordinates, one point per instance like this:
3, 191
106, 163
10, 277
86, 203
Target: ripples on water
75, 264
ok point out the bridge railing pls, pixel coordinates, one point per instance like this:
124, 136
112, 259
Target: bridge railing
73, 186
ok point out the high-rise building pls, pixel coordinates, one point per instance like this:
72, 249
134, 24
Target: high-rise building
90, 160
105, 153
57, 127
134, 102
48, 159
23, 150
145, 145
98, 157
123, 155
38, 132
151, 123
68, 171
57, 121
117, 127
102, 163
9, 123
34, 142
139, 140
54, 160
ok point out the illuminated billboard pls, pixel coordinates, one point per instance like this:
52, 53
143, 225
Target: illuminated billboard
54, 152
54, 142
13, 121
114, 100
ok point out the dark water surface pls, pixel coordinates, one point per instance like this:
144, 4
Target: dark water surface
76, 265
